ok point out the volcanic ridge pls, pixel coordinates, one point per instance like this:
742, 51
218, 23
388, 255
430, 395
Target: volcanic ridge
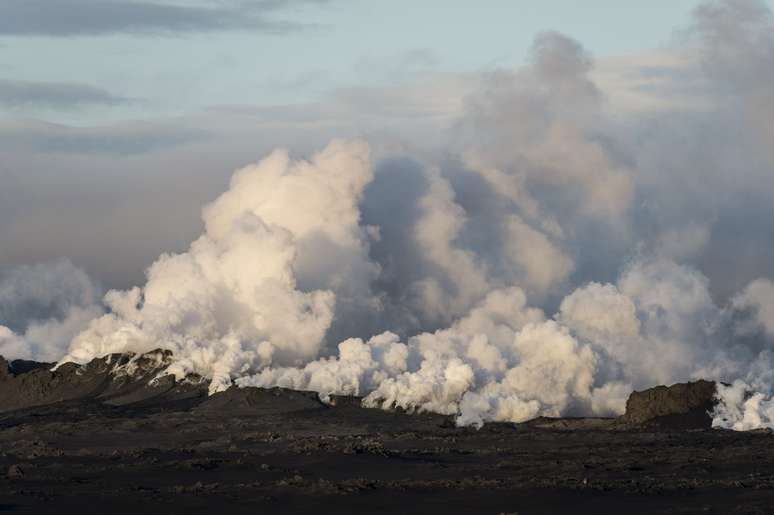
120, 434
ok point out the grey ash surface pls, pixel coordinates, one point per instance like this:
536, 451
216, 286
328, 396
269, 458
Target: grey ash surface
95, 440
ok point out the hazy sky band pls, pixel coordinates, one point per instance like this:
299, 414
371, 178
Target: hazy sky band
175, 57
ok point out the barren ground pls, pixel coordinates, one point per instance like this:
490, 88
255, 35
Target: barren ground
278, 451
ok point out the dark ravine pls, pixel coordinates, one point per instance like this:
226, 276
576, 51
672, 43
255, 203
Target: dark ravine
116, 436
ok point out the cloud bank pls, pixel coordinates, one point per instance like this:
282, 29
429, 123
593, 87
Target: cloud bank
553, 256
43, 306
59, 18
18, 94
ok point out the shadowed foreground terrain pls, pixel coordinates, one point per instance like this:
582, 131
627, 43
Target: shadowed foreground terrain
100, 439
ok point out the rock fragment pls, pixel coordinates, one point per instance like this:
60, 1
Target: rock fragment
15, 472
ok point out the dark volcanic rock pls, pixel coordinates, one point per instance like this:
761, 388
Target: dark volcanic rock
276, 451
5, 369
680, 406
123, 443
15, 472
116, 380
260, 401
22, 366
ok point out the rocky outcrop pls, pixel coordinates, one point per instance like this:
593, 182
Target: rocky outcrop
116, 379
680, 406
5, 370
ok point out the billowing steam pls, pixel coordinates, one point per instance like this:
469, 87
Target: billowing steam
42, 307
558, 257
259, 287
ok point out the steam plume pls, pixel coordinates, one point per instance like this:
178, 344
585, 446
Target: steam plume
555, 258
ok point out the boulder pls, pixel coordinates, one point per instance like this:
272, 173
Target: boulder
680, 406
15, 472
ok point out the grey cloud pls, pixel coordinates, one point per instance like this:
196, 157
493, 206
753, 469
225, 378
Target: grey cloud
121, 140
54, 95
113, 198
43, 291
99, 17
697, 174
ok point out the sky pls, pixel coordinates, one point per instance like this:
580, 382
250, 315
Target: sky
82, 67
110, 108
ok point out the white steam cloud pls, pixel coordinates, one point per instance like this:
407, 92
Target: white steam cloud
558, 257
42, 307
233, 303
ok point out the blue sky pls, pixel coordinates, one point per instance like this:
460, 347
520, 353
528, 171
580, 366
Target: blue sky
157, 71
